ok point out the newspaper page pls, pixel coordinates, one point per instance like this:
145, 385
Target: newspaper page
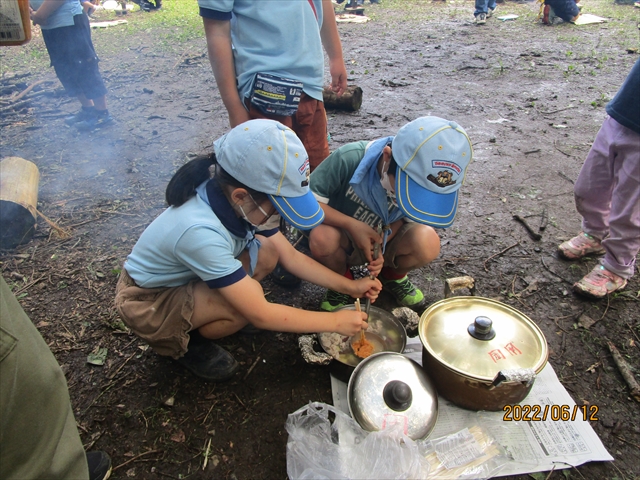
557, 436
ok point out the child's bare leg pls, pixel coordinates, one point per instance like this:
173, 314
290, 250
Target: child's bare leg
100, 103
328, 246
84, 101
212, 315
418, 247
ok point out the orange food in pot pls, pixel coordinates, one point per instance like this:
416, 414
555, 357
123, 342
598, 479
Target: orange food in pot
362, 348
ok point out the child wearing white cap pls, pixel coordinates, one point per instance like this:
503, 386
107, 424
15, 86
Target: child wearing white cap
194, 273
392, 192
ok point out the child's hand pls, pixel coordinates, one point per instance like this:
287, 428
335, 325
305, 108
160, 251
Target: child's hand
350, 322
365, 237
375, 266
366, 287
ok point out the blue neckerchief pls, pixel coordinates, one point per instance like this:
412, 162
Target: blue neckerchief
211, 193
366, 184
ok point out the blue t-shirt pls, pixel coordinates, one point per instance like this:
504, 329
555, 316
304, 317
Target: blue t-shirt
625, 106
200, 239
275, 37
63, 16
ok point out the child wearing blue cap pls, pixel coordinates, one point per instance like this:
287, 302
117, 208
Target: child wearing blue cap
194, 274
392, 192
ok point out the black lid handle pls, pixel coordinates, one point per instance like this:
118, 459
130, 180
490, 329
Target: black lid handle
482, 329
397, 395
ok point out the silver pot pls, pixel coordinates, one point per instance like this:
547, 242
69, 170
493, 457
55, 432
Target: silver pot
385, 332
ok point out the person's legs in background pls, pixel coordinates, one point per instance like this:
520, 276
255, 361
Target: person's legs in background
481, 10
607, 195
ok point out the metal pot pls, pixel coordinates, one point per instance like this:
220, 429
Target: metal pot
481, 354
388, 389
385, 332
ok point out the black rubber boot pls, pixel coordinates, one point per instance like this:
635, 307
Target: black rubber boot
209, 361
99, 465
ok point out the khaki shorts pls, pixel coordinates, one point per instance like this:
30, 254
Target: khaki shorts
357, 256
159, 316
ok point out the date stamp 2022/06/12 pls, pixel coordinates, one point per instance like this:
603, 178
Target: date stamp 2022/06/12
556, 413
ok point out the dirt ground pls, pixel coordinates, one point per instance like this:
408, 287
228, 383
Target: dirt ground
531, 99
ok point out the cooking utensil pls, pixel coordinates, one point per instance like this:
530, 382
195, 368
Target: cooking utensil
361, 347
385, 332
376, 252
482, 354
387, 389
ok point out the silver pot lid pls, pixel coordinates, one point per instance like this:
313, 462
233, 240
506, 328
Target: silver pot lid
389, 388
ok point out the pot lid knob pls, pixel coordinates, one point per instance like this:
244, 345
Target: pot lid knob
482, 329
397, 395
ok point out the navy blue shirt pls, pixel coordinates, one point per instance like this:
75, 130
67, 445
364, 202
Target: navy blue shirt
625, 106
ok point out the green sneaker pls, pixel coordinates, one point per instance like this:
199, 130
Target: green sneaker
333, 300
405, 292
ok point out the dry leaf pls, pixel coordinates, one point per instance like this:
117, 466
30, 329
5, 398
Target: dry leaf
586, 321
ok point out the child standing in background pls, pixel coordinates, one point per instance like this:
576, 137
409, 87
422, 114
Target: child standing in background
607, 195
67, 36
567, 10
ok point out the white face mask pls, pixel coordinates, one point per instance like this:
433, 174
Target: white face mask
271, 223
386, 184
267, 222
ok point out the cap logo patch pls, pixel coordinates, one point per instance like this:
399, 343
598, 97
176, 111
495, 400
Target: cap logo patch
444, 179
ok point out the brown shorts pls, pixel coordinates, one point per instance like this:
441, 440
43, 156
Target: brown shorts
310, 125
357, 256
160, 316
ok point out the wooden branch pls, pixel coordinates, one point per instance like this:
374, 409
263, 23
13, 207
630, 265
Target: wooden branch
535, 235
625, 371
28, 89
22, 102
135, 458
498, 254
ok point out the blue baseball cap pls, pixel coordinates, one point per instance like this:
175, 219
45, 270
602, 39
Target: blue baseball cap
432, 155
269, 157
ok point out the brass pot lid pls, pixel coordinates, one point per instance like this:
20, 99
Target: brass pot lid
479, 337
386, 389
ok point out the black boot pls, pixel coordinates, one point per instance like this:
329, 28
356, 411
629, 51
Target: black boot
99, 464
207, 360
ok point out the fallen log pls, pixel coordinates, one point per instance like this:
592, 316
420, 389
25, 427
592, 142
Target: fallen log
350, 100
19, 180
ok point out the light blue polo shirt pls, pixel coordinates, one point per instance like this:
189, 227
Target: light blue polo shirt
63, 16
278, 37
186, 243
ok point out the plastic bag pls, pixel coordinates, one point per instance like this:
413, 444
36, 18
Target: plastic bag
325, 443
470, 453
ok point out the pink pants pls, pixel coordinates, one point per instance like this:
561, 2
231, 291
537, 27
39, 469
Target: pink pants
607, 194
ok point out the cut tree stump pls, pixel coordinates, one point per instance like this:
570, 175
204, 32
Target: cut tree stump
350, 100
19, 180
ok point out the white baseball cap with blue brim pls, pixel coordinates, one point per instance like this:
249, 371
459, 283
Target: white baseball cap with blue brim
268, 157
432, 155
